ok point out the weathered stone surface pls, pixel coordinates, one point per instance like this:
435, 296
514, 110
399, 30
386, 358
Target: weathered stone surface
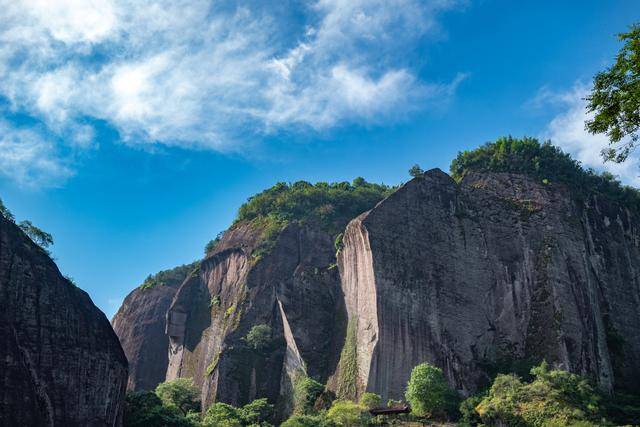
233, 290
140, 324
499, 269
62, 364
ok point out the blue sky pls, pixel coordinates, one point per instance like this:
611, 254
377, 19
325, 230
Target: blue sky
133, 130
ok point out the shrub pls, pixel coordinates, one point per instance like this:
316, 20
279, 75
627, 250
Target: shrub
427, 390
256, 412
370, 400
345, 413
416, 171
221, 414
545, 163
6, 213
554, 397
259, 337
172, 277
305, 393
305, 421
180, 393
143, 409
330, 206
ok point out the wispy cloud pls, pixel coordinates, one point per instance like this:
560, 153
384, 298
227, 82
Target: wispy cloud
567, 130
214, 74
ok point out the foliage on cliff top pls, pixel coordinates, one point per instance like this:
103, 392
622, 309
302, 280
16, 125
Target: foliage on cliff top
545, 162
329, 205
172, 277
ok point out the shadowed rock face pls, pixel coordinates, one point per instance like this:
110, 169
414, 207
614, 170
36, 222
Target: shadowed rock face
291, 288
495, 271
62, 364
140, 324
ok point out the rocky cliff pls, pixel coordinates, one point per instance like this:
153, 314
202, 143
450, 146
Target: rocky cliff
292, 288
61, 362
498, 270
140, 324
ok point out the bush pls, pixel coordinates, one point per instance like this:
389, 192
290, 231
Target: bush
179, 393
144, 409
259, 337
6, 213
172, 277
305, 393
346, 413
370, 400
554, 397
305, 421
545, 163
330, 206
256, 412
427, 390
221, 414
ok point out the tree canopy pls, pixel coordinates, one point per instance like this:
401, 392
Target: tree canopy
330, 206
172, 277
615, 99
544, 162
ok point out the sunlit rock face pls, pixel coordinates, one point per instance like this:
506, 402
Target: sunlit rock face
293, 288
62, 363
494, 272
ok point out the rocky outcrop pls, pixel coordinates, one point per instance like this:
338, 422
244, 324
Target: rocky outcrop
140, 324
496, 271
61, 362
288, 282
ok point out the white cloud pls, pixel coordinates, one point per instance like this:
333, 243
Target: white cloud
29, 158
204, 74
567, 130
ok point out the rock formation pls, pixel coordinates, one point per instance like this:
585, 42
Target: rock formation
292, 288
140, 324
497, 270
61, 362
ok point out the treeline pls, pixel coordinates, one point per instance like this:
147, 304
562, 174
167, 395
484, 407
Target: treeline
550, 398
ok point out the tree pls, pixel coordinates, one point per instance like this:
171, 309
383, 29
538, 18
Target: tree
305, 421
426, 390
345, 413
143, 409
221, 414
370, 400
179, 393
39, 237
305, 393
6, 213
416, 171
259, 337
256, 412
615, 99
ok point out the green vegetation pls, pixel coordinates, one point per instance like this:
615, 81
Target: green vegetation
256, 413
259, 337
345, 413
173, 277
427, 391
615, 99
546, 163
212, 244
329, 206
6, 213
179, 393
306, 392
215, 301
553, 398
212, 366
370, 400
145, 408
416, 171
348, 365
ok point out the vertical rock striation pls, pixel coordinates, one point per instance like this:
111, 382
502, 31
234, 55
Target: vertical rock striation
140, 324
292, 288
496, 271
61, 362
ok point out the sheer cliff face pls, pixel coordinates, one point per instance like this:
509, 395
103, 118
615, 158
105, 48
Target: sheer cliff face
496, 270
62, 364
292, 289
140, 325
